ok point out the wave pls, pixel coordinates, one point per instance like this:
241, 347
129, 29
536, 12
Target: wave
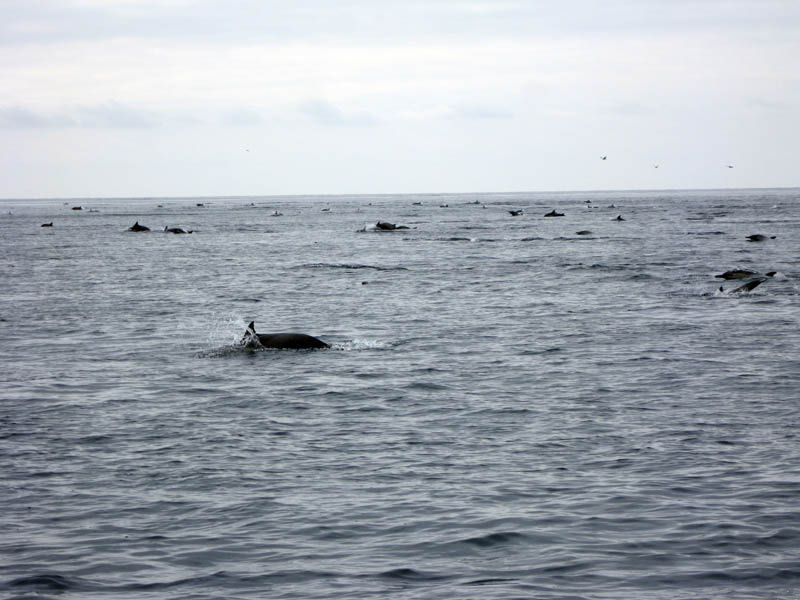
47, 581
406, 573
495, 539
357, 344
350, 267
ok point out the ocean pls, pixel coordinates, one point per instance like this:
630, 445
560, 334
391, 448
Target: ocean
508, 409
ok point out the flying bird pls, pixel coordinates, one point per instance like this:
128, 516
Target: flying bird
729, 166
603, 157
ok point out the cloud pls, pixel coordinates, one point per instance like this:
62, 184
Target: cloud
481, 112
628, 109
325, 113
447, 111
109, 115
259, 21
465, 76
242, 117
116, 115
770, 104
16, 117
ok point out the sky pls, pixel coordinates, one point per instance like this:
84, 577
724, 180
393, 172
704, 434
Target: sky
159, 98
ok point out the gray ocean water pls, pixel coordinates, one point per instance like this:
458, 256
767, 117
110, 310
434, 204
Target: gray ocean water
508, 409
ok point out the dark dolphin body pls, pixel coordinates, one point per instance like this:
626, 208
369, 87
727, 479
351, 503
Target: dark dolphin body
515, 213
50, 224
741, 274
747, 287
175, 230
618, 218
280, 341
137, 227
757, 237
583, 232
389, 226
553, 213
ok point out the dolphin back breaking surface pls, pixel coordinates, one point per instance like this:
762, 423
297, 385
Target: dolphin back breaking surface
280, 341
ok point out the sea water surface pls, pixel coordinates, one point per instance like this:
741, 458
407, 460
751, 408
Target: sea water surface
507, 410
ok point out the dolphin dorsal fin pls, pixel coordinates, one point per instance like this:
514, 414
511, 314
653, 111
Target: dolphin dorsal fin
250, 334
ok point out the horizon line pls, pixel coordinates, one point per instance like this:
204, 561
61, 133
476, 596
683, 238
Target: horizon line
341, 195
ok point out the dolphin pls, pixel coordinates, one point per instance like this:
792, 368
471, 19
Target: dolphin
757, 237
747, 287
50, 224
583, 232
175, 230
515, 213
280, 341
137, 227
553, 213
742, 274
618, 218
389, 226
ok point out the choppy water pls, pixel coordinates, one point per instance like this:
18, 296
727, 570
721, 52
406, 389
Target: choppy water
509, 410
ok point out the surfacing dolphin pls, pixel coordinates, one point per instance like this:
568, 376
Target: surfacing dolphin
742, 274
280, 341
384, 226
747, 287
137, 227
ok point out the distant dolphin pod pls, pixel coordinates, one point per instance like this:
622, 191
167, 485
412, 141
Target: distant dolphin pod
280, 341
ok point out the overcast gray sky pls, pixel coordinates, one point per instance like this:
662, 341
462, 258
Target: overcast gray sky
238, 97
